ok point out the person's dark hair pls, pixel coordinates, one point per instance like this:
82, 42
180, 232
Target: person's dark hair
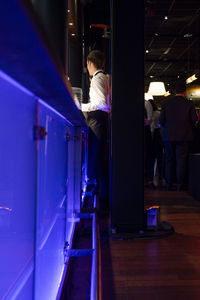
180, 86
97, 58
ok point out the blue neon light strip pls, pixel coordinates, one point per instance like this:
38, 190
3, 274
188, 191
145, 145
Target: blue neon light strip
21, 280
54, 110
15, 83
26, 91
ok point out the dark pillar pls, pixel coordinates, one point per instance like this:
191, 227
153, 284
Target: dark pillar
75, 47
127, 196
75, 62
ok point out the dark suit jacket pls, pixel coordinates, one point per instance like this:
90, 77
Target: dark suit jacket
178, 118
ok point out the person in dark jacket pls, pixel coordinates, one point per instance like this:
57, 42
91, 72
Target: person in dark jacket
178, 119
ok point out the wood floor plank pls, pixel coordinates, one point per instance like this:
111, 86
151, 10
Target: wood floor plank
157, 269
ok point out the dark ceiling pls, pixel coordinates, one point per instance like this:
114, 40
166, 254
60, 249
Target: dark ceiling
172, 40
171, 37
97, 19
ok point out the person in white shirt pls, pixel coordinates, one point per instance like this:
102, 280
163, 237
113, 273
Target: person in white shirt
98, 109
149, 110
148, 146
158, 147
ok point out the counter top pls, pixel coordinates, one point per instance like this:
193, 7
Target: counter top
27, 57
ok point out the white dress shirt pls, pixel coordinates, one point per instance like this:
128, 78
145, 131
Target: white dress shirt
155, 120
149, 110
98, 94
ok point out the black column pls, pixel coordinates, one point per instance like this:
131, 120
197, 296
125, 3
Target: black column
75, 62
75, 47
127, 166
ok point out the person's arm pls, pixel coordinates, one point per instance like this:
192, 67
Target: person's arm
97, 95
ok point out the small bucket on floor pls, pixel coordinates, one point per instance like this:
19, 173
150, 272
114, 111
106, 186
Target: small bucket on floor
152, 217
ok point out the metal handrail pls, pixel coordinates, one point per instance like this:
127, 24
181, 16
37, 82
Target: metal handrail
94, 289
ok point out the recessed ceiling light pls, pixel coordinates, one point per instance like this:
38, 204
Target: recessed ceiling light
71, 24
187, 35
166, 17
167, 51
147, 51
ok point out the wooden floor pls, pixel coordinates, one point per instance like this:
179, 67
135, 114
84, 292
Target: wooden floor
156, 269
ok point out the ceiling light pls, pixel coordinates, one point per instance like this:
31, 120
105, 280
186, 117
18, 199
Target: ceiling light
187, 35
71, 24
147, 51
167, 51
156, 88
166, 18
73, 34
191, 79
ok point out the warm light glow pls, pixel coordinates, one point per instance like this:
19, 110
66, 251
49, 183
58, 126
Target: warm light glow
156, 88
167, 94
5, 208
198, 92
191, 79
193, 92
148, 96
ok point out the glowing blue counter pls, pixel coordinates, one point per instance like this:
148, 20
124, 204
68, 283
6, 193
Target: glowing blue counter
43, 164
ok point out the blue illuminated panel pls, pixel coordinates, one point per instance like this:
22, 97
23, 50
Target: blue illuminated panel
41, 182
17, 190
51, 204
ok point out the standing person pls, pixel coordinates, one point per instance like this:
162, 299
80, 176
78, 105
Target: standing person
148, 146
97, 110
157, 142
178, 118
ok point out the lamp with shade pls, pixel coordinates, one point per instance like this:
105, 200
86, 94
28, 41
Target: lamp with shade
157, 88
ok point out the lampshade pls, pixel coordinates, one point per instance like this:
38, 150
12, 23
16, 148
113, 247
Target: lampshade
157, 88
191, 79
148, 96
